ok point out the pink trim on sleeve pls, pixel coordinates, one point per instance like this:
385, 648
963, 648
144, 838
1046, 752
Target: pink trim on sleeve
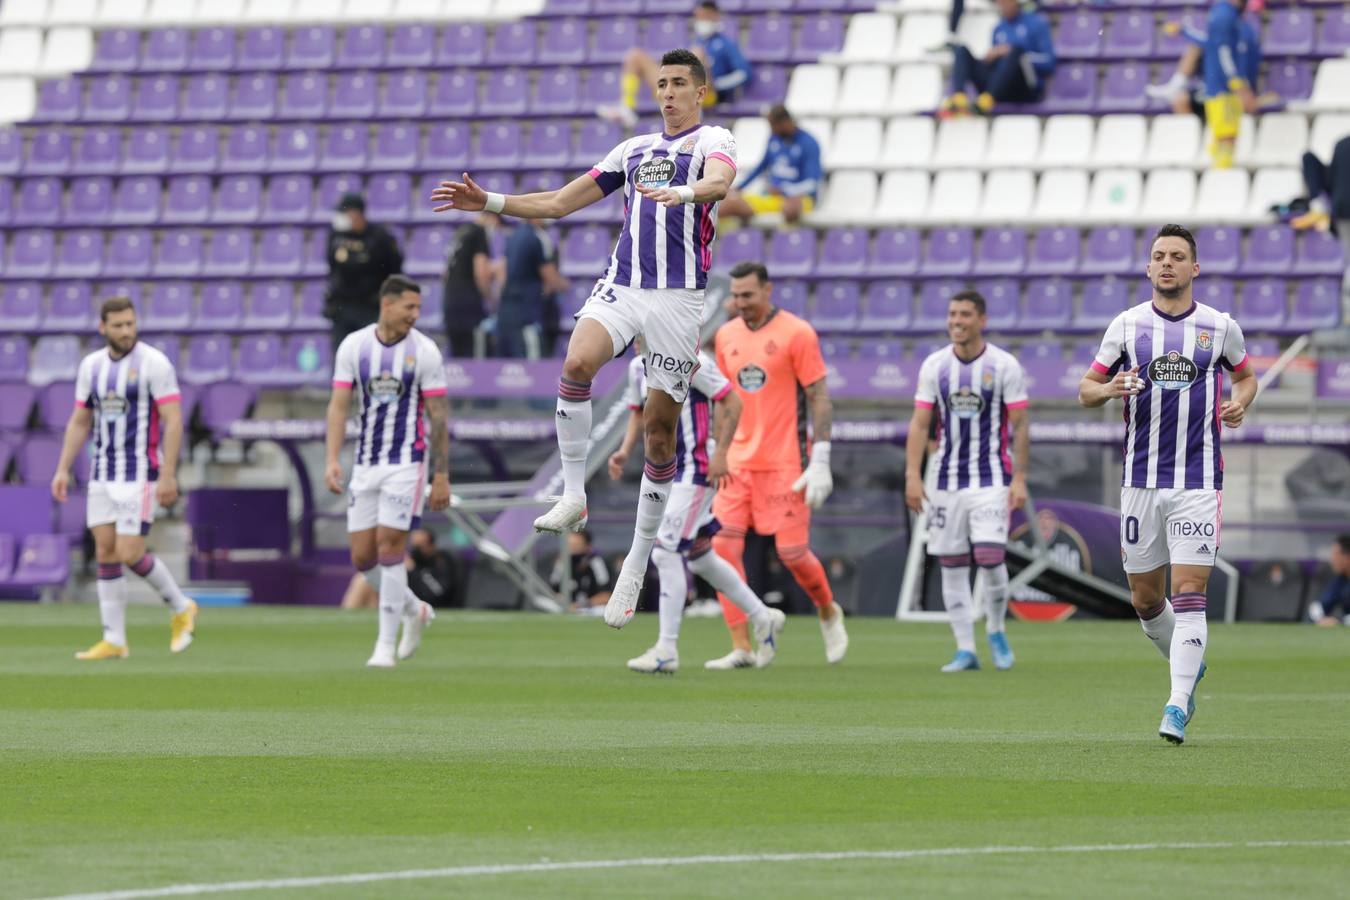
924, 404
594, 172
341, 384
1099, 368
1018, 404
724, 158
726, 389
435, 392
1245, 360
172, 398
80, 404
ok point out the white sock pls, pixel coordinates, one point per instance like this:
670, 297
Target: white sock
723, 576
153, 570
956, 597
674, 593
1188, 645
995, 598
573, 420
651, 509
112, 603
393, 591
1159, 629
372, 577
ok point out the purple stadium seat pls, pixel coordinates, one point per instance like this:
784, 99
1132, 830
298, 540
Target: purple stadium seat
549, 145
816, 35
1040, 350
36, 459
602, 87
59, 100
224, 402
166, 50
354, 96
427, 250
395, 147
53, 404
20, 306
1220, 247
1288, 32
281, 251
1291, 80
951, 252
1073, 89
1123, 89
506, 91
315, 261
1003, 299
98, 151
768, 85
837, 306
843, 252
361, 47
246, 150
221, 307
569, 7
792, 253
116, 50
79, 254
607, 212
412, 47
1171, 46
129, 253
345, 149
259, 360
138, 202
389, 197
230, 254
556, 92
594, 141
51, 153
1270, 250
1317, 304
1103, 300
88, 202
1047, 304
56, 357
563, 43
1055, 251
1216, 292
109, 100
1002, 251
1079, 35
1129, 35
454, 96
1110, 251
167, 308
6, 202
197, 149
585, 251
213, 49
934, 298
207, 359
616, 7
70, 307
305, 96
791, 295
180, 255
512, 44
421, 205
1319, 253
738, 246
44, 560
261, 50
660, 34
331, 189
16, 405
31, 254
238, 199
1333, 38
11, 151
255, 96
404, 95
271, 305
207, 98
612, 39
188, 201
1264, 306
13, 357
288, 199
39, 202
312, 47
308, 359
895, 251
294, 148
309, 316
768, 39
833, 349
461, 44
498, 145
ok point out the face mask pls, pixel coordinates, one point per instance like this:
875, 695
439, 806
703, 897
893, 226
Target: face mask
342, 221
704, 28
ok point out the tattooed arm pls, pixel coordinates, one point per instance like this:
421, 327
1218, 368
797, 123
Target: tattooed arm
438, 411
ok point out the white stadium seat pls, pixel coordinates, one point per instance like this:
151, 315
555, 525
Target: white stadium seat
1172, 141
822, 130
870, 38
18, 99
909, 142
1066, 141
277, 11
956, 196
863, 90
1014, 141
74, 12
977, 31
813, 89
1169, 195
1241, 153
1272, 186
849, 197
752, 138
917, 88
68, 49
24, 12
1329, 90
856, 144
317, 10
20, 50
919, 34
174, 12
1121, 140
904, 197
126, 13
367, 10
1280, 139
1327, 129
1061, 196
961, 142
1114, 195
416, 10
1008, 195
516, 9
1222, 196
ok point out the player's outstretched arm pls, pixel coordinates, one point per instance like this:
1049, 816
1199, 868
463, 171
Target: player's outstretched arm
711, 188
468, 196
339, 405
171, 414
726, 416
915, 442
1234, 411
1096, 389
77, 432
438, 412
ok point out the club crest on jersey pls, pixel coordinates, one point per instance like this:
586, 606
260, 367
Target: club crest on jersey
751, 378
409, 362
132, 375
655, 173
770, 348
384, 387
965, 403
688, 145
987, 380
1203, 341
1173, 371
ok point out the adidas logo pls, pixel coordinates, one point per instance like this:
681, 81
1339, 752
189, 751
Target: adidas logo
1192, 642
562, 414
653, 496
1204, 548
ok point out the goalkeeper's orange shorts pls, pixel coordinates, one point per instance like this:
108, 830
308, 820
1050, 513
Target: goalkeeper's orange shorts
765, 502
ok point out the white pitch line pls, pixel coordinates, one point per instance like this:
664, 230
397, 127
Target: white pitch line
186, 890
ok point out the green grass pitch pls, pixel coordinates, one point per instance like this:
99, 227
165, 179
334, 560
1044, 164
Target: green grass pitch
267, 751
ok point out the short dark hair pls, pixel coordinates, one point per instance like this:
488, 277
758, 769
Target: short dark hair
683, 57
1177, 231
751, 267
1343, 541
970, 297
778, 113
710, 5
398, 285
114, 305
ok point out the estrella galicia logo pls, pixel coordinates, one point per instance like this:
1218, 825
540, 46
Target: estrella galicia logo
655, 173
751, 378
112, 406
965, 403
1173, 371
384, 388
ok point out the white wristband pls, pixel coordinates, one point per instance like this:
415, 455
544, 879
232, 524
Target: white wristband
495, 203
820, 454
685, 193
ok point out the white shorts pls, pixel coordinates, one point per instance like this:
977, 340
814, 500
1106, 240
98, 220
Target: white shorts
959, 519
688, 516
388, 495
669, 321
1169, 525
130, 505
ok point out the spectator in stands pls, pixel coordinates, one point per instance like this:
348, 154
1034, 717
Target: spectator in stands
792, 165
1014, 70
1328, 193
727, 67
1333, 607
361, 255
433, 574
470, 279
531, 275
591, 578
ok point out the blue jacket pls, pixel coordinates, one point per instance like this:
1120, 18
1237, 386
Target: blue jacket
1222, 63
730, 69
793, 165
1246, 52
1030, 33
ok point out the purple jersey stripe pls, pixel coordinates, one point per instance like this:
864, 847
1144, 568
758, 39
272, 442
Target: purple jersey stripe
381, 410
675, 228
1214, 427
405, 399
646, 210
132, 399
964, 427
987, 432
1174, 339
110, 377
1141, 417
1196, 395
944, 390
362, 439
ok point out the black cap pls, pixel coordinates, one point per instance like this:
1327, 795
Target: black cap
351, 200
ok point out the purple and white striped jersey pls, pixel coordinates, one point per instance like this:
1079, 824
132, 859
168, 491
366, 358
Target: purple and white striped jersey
663, 247
1172, 426
392, 381
126, 395
694, 444
973, 399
